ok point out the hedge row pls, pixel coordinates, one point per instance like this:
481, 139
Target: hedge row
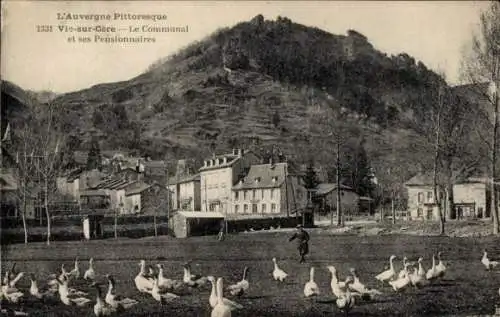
77, 221
240, 225
135, 233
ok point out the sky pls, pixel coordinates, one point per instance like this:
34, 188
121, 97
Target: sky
432, 32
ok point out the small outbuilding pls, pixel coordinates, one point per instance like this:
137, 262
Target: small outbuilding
196, 223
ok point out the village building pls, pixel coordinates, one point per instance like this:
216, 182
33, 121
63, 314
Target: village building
351, 203
115, 194
219, 174
268, 189
471, 199
185, 193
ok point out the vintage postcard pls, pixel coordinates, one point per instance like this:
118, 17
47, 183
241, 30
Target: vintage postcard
249, 158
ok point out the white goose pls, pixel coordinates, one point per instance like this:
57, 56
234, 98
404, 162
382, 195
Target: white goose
421, 270
53, 277
101, 308
278, 274
417, 280
432, 272
35, 291
359, 287
401, 283
166, 283
193, 280
64, 294
338, 288
403, 271
161, 295
114, 300
11, 294
214, 296
241, 287
311, 288
389, 274
487, 262
10, 274
440, 268
345, 302
75, 272
90, 272
221, 309
143, 283
16, 279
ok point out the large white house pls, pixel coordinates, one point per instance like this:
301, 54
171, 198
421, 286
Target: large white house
218, 176
268, 189
471, 198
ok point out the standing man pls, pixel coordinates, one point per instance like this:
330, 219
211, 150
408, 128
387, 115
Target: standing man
222, 230
302, 242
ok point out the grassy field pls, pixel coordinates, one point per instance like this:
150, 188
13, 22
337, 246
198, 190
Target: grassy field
467, 290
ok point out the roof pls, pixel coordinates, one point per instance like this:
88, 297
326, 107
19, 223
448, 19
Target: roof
94, 192
186, 179
261, 176
426, 179
113, 183
200, 214
325, 188
420, 180
365, 198
137, 188
231, 158
73, 174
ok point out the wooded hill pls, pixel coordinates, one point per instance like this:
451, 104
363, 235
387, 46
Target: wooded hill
263, 83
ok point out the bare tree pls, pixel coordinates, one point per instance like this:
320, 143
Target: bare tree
482, 65
448, 132
46, 158
25, 174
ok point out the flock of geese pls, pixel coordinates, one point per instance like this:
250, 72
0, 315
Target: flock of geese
163, 289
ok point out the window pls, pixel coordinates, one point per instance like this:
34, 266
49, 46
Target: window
245, 209
420, 198
236, 196
429, 197
254, 208
480, 212
273, 208
272, 193
263, 208
245, 195
236, 208
262, 194
420, 213
254, 193
429, 214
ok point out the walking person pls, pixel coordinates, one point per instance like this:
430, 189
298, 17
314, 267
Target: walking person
302, 238
222, 230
